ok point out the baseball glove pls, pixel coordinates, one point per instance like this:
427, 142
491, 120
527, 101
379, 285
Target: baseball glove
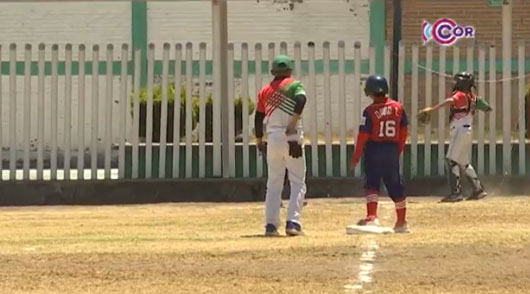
424, 116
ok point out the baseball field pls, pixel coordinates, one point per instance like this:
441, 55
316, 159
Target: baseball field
470, 247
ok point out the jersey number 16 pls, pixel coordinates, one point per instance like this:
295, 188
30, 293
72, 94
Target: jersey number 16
387, 129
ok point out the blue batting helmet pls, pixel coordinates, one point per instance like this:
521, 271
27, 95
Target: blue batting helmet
375, 85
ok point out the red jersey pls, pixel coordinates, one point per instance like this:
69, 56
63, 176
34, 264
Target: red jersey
277, 101
463, 105
383, 121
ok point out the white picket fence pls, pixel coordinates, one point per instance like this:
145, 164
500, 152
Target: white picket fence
57, 123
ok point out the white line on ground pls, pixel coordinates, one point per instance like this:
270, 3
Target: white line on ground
366, 267
367, 259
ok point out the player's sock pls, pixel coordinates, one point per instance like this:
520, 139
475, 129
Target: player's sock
401, 210
371, 204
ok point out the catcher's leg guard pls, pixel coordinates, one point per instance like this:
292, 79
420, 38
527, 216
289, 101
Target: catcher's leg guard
478, 189
473, 178
453, 174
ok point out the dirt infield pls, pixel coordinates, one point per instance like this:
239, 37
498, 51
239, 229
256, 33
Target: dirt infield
471, 247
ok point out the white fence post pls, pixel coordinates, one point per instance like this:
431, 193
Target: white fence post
342, 109
245, 116
428, 101
202, 109
189, 110
230, 91
54, 110
327, 110
298, 60
507, 106
388, 52
95, 113
312, 100
67, 110
27, 109
271, 54
259, 81
469, 55
413, 119
176, 111
231, 123
136, 112
12, 110
283, 48
163, 112
357, 89
149, 112
456, 59
469, 63
124, 103
522, 125
442, 112
482, 93
493, 114
41, 110
107, 142
81, 103
401, 86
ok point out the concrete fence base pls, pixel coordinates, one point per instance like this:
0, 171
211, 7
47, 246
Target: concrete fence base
213, 190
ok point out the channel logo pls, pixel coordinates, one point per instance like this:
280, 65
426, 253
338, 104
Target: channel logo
445, 31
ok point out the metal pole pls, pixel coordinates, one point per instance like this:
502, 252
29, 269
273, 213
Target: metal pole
220, 56
395, 49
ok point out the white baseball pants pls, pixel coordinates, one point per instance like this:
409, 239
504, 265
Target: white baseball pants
278, 159
460, 144
461, 139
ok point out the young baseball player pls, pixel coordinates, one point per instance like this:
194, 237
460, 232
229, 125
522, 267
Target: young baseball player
382, 137
280, 106
463, 103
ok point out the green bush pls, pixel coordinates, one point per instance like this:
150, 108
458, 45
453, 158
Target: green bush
157, 109
238, 116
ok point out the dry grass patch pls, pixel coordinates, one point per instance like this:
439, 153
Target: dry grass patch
475, 247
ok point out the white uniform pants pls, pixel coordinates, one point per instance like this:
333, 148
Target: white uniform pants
460, 144
461, 139
278, 159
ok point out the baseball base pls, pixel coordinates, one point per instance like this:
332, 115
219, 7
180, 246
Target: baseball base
355, 229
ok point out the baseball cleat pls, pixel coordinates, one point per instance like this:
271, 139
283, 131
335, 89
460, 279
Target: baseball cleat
369, 221
293, 229
477, 195
453, 198
401, 228
271, 231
